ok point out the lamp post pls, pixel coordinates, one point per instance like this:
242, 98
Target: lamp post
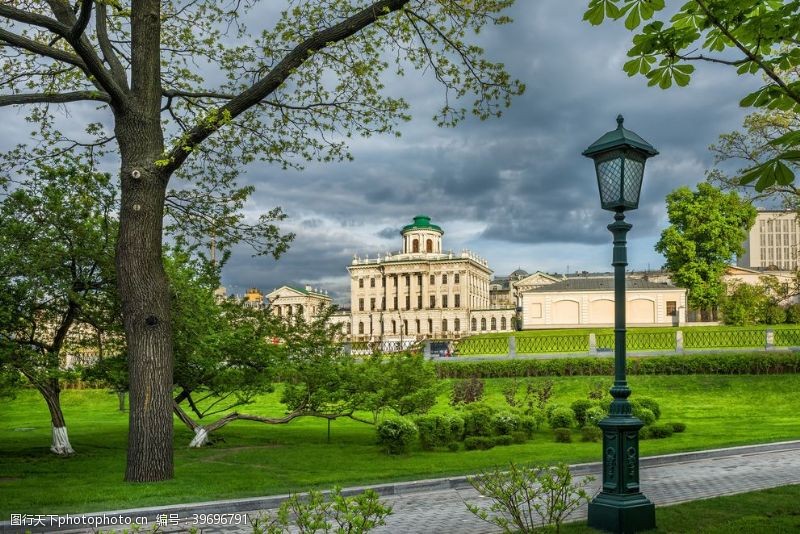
619, 157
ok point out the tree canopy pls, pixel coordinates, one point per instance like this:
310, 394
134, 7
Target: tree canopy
755, 38
707, 229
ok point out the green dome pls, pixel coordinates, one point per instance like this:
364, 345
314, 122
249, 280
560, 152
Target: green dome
421, 222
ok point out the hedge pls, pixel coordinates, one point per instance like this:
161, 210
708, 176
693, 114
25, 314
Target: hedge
723, 364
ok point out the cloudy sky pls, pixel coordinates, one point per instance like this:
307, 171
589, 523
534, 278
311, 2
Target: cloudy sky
515, 190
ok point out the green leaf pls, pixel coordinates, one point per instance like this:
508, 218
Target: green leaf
633, 19
595, 14
783, 174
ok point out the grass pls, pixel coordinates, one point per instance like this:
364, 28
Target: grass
255, 459
774, 510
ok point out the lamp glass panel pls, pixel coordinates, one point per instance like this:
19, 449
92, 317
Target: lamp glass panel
632, 181
609, 172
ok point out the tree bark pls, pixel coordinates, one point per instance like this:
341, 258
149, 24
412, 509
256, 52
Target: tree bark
60, 444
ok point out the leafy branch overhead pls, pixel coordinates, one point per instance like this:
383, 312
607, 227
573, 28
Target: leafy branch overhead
753, 37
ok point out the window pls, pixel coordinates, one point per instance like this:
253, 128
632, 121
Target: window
429, 246
360, 328
360, 282
483, 323
372, 303
419, 280
415, 245
408, 280
383, 281
457, 325
408, 302
444, 278
433, 279
383, 303
349, 329
394, 326
360, 304
502, 323
430, 326
371, 282
457, 300
456, 278
395, 303
405, 326
418, 328
444, 301
494, 323
672, 307
444, 325
474, 324
419, 302
433, 301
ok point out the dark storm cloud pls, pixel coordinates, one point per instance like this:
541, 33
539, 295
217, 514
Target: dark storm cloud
389, 233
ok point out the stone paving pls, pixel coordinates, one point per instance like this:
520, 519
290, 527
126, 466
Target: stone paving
665, 480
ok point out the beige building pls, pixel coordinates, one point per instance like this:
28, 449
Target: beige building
582, 302
772, 242
289, 301
423, 291
507, 290
785, 280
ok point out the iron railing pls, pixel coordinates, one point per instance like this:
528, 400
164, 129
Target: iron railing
639, 341
712, 339
787, 338
481, 346
553, 343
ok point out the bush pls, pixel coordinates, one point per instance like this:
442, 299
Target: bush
580, 407
644, 433
774, 313
661, 431
480, 443
519, 437
453, 446
563, 435
591, 433
677, 427
645, 415
793, 314
478, 419
505, 439
562, 418
505, 423
396, 434
651, 404
439, 430
594, 415
467, 391
531, 423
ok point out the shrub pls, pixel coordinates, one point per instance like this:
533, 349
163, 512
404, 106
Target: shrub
439, 430
481, 443
516, 492
793, 314
562, 418
598, 391
594, 415
563, 435
467, 391
661, 431
453, 446
505, 439
591, 433
580, 407
651, 404
677, 427
478, 420
774, 313
505, 423
645, 415
396, 434
644, 433
519, 437
531, 423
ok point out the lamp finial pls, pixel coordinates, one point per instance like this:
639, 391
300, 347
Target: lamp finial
620, 120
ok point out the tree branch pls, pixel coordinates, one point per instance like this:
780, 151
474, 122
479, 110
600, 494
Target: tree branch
34, 19
54, 98
701, 57
117, 70
40, 48
83, 20
276, 76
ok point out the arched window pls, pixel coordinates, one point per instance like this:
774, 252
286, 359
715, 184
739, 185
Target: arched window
457, 325
430, 326
502, 323
483, 323
415, 245
474, 324
429, 245
419, 330
405, 327
394, 326
444, 325
360, 328
494, 323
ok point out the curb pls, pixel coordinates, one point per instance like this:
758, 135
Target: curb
233, 506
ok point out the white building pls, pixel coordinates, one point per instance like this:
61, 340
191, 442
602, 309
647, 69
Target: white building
772, 242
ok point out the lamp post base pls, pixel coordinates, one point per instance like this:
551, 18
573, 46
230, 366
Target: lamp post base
622, 513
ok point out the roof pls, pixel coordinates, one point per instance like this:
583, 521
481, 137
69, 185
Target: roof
598, 284
519, 273
300, 290
618, 138
421, 222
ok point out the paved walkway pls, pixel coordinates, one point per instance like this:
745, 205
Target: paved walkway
437, 505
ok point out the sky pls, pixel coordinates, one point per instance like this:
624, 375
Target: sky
515, 190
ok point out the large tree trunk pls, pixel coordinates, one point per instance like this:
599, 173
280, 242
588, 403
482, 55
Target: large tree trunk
52, 396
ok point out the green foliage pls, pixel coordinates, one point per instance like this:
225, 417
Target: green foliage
315, 513
466, 391
562, 435
404, 383
750, 304
651, 404
527, 498
503, 440
561, 418
453, 446
396, 434
519, 437
480, 443
644, 433
505, 423
591, 433
752, 37
439, 430
774, 313
661, 431
645, 415
793, 314
478, 419
531, 423
579, 407
678, 427
594, 415
707, 228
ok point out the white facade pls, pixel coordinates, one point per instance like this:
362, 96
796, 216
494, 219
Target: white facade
772, 242
288, 302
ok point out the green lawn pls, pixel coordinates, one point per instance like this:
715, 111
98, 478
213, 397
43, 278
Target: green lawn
774, 510
255, 459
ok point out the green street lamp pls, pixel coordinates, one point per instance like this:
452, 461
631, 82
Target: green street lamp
619, 157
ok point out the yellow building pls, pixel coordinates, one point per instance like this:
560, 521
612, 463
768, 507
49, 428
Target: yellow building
423, 291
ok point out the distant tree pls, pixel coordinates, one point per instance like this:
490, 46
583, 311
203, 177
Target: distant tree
752, 37
56, 276
707, 229
751, 304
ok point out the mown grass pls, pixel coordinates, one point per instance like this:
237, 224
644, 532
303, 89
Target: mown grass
774, 510
253, 459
